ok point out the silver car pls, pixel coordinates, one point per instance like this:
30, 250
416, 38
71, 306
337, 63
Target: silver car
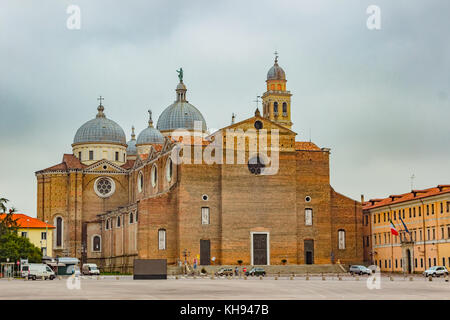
359, 270
436, 271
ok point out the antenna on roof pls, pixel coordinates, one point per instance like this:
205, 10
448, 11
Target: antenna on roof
309, 134
412, 181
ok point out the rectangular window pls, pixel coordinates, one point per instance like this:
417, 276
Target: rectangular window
403, 211
414, 212
341, 239
396, 263
448, 206
205, 215
410, 212
432, 208
442, 233
420, 211
421, 262
443, 262
379, 217
91, 155
24, 234
79, 155
415, 263
428, 209
434, 260
448, 232
384, 216
395, 216
420, 234
308, 217
162, 239
374, 219
434, 234
428, 233
442, 207
117, 156
43, 235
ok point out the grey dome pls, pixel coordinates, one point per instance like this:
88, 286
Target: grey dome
131, 148
181, 114
150, 135
276, 72
100, 129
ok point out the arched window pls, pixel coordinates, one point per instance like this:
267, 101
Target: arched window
169, 169
107, 224
154, 176
96, 243
284, 109
275, 108
118, 222
136, 217
131, 217
162, 239
140, 182
59, 231
341, 239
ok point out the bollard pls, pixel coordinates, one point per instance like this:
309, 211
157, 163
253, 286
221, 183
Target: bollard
391, 278
307, 277
276, 278
291, 278
245, 277
260, 277
446, 278
98, 277
323, 277
42, 278
357, 278
411, 278
176, 277
59, 277
430, 278
339, 278
117, 278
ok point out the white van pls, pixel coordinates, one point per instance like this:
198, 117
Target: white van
90, 269
37, 270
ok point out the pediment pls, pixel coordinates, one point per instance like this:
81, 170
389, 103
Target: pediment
103, 166
249, 124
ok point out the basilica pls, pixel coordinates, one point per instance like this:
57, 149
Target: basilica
114, 200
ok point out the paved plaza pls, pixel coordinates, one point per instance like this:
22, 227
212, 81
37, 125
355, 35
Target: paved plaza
124, 287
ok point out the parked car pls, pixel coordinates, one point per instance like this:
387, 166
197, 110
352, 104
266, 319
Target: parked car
436, 271
90, 269
359, 270
37, 270
256, 272
224, 272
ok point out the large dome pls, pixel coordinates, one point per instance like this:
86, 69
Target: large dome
150, 135
100, 130
276, 72
181, 114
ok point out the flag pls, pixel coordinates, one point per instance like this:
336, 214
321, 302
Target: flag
393, 228
404, 225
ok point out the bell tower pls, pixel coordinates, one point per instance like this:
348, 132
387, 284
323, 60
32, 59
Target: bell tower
277, 100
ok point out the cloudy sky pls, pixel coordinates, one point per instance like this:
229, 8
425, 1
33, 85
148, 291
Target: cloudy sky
380, 99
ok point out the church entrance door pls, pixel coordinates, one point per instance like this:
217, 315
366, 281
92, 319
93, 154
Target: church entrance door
260, 249
309, 251
205, 252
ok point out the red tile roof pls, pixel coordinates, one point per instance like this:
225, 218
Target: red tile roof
414, 194
129, 164
69, 162
304, 145
22, 222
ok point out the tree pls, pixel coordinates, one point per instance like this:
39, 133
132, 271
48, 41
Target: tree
8, 224
15, 247
3, 202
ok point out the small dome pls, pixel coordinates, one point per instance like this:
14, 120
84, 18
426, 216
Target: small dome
150, 135
181, 114
276, 72
100, 129
131, 148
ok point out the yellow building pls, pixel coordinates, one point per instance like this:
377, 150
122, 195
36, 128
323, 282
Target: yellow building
38, 232
424, 242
